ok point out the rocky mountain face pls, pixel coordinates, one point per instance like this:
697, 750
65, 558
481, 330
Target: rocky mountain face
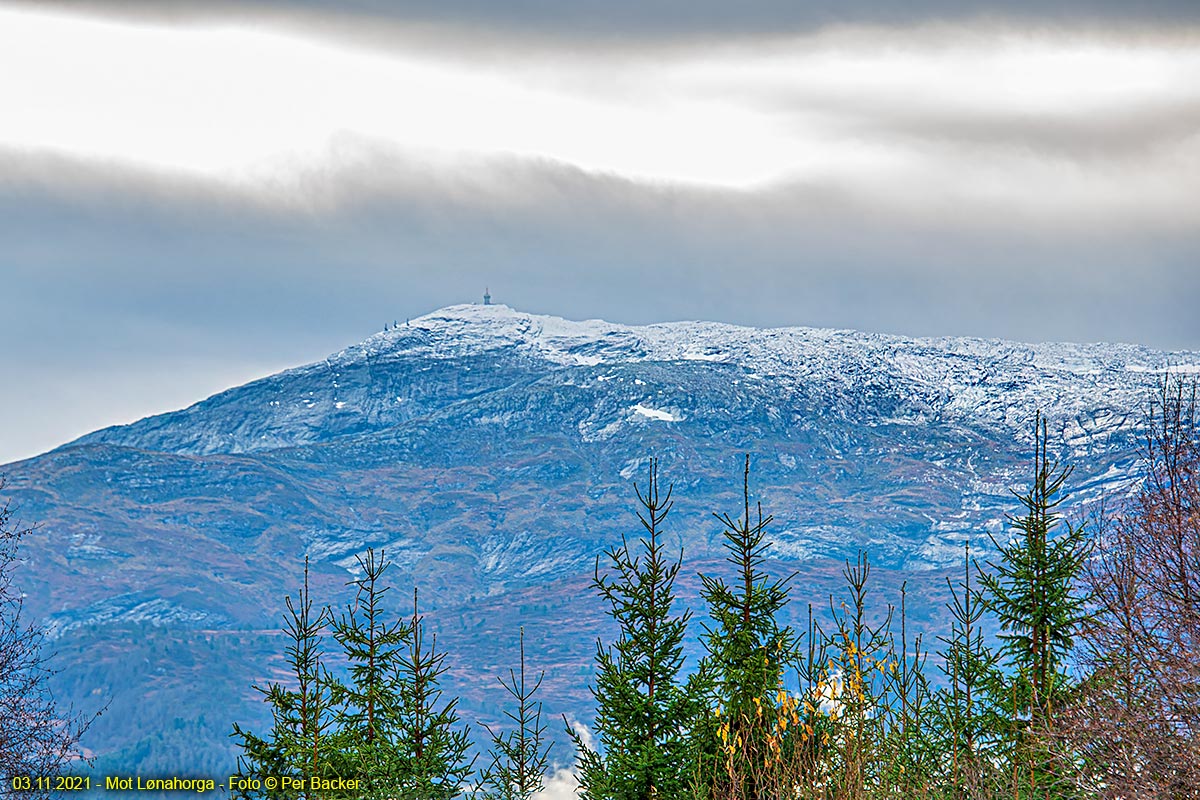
492, 454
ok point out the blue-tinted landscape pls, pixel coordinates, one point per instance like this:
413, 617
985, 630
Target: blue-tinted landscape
491, 454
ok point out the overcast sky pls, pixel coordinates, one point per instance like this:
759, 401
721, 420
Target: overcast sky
196, 194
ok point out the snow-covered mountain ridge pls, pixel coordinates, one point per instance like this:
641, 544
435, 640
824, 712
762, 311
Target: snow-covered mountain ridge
1089, 388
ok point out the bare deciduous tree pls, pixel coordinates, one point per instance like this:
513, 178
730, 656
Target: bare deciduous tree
36, 739
1138, 716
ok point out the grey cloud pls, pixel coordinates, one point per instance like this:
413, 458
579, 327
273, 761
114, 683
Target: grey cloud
1139, 131
391, 238
628, 20
1134, 134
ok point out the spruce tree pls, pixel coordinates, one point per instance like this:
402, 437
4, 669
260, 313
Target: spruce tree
387, 726
373, 645
748, 649
968, 718
643, 709
1034, 593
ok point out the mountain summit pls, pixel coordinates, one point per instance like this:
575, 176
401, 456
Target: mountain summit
461, 353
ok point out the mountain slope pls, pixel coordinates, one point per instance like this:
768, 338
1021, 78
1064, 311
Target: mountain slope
491, 452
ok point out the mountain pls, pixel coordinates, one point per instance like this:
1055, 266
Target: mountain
492, 454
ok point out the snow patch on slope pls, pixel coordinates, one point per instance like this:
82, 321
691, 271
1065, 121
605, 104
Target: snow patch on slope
656, 413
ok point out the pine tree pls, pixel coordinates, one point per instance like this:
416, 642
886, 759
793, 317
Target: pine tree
748, 649
1034, 593
518, 757
643, 710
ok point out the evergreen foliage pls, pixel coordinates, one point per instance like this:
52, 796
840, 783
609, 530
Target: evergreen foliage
748, 650
1034, 592
850, 715
435, 765
388, 728
880, 693
373, 647
968, 720
870, 732
643, 708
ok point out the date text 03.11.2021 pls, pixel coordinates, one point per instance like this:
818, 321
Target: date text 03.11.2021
55, 783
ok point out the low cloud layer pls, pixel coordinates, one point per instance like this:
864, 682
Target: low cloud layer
625, 19
385, 236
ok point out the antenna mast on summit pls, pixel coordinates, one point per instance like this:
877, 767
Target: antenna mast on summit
487, 298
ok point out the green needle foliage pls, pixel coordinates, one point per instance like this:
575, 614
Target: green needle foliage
1033, 592
850, 716
748, 650
858, 646
643, 710
387, 728
373, 647
968, 720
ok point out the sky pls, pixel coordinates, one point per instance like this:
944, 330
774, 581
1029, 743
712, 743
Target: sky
195, 194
